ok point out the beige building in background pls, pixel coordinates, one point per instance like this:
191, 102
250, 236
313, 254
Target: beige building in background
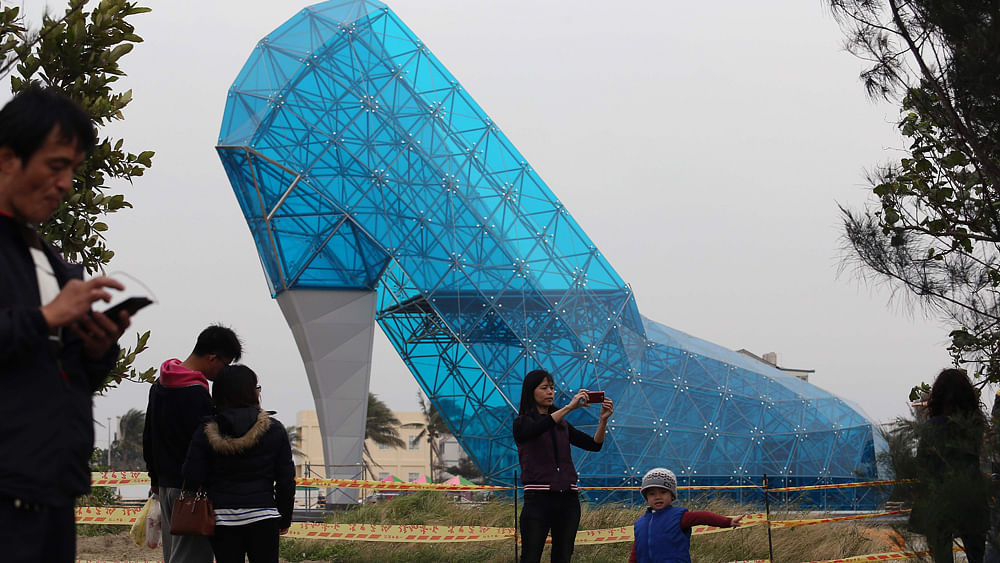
408, 463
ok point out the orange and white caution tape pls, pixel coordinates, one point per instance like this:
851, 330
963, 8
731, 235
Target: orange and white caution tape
775, 524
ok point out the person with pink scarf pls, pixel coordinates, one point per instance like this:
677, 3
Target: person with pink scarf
178, 403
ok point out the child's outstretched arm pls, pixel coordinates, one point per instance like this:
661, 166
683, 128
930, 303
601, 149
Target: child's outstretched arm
694, 518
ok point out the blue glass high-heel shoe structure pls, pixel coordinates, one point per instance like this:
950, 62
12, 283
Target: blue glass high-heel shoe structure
376, 189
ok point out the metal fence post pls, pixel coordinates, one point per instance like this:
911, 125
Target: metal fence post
515, 516
767, 513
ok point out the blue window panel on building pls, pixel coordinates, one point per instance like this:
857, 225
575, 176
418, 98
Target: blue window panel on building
360, 162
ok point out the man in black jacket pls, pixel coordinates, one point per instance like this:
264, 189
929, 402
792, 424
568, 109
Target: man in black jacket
54, 352
179, 401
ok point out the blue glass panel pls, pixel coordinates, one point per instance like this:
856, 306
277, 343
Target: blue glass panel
359, 161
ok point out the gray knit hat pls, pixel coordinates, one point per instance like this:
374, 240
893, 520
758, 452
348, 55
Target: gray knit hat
661, 478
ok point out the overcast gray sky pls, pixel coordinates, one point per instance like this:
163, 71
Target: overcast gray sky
703, 146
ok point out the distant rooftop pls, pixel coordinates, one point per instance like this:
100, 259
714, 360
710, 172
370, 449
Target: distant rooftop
771, 359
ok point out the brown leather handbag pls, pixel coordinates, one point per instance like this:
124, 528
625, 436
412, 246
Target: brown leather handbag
193, 515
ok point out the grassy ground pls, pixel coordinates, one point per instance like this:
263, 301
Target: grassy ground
809, 543
791, 545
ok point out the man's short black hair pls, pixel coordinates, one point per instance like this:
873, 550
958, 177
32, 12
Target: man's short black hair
28, 119
219, 340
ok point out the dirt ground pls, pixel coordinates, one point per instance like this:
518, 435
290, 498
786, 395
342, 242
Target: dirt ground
117, 548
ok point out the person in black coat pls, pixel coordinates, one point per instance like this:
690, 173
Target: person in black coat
55, 352
242, 458
543, 439
950, 497
179, 401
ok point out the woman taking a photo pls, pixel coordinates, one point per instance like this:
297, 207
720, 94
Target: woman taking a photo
243, 459
543, 439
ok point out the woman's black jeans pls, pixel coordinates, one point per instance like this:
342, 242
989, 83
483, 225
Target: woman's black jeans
257, 541
544, 512
940, 544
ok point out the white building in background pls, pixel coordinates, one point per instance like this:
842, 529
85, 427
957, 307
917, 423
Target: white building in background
408, 463
771, 359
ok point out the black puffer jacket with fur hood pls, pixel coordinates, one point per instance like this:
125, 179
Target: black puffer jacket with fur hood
243, 459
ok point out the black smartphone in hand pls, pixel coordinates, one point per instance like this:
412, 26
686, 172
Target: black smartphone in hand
132, 305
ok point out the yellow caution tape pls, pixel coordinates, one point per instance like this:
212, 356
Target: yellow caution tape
890, 556
682, 488
397, 533
748, 520
113, 478
401, 533
391, 486
607, 535
775, 524
106, 515
840, 485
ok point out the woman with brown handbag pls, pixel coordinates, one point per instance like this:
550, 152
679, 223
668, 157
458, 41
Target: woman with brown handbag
242, 458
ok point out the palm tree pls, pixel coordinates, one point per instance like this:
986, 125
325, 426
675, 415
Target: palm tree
126, 450
434, 427
381, 427
466, 468
295, 440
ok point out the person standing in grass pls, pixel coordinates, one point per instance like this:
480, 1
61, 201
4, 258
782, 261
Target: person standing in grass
543, 441
663, 532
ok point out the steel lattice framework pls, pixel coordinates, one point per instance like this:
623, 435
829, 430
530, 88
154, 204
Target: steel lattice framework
361, 163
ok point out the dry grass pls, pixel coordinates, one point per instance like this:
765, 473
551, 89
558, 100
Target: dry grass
807, 543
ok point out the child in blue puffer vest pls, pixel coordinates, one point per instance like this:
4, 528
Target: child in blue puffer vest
663, 532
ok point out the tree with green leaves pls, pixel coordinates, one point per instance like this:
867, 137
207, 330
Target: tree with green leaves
79, 53
382, 428
932, 231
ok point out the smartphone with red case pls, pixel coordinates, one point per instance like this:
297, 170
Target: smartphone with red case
594, 397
